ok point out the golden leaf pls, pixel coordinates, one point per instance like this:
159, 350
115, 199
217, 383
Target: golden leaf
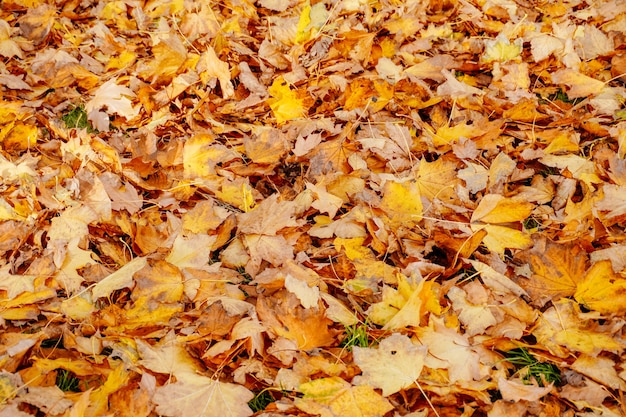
334, 397
284, 102
602, 290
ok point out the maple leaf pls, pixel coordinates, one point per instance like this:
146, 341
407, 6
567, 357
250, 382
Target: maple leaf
494, 208
395, 364
599, 369
169, 56
168, 356
501, 49
512, 390
404, 306
201, 396
201, 154
272, 215
183, 257
556, 270
564, 327
14, 285
475, 317
210, 66
334, 397
122, 278
113, 97
308, 296
402, 202
8, 47
284, 316
579, 84
284, 102
449, 350
602, 290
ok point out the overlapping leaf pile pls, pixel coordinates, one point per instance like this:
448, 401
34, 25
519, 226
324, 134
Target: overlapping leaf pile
336, 208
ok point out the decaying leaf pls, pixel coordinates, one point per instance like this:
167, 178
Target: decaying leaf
335, 208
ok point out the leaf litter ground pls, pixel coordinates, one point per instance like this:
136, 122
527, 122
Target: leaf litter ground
290, 208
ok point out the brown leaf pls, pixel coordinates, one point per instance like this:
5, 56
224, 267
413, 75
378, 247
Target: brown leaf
557, 269
284, 315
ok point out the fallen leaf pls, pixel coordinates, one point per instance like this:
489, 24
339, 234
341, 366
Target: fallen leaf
334, 397
202, 396
557, 270
512, 390
602, 290
284, 316
395, 364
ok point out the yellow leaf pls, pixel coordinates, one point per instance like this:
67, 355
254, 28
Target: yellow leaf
600, 369
168, 357
401, 202
524, 111
334, 397
560, 140
437, 179
302, 34
563, 328
9, 386
124, 60
99, 398
495, 208
147, 312
210, 67
191, 251
122, 278
267, 146
6, 211
237, 193
406, 305
285, 103
353, 248
501, 49
475, 317
447, 135
80, 367
201, 155
169, 56
78, 308
448, 349
284, 316
160, 281
21, 137
602, 290
499, 238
